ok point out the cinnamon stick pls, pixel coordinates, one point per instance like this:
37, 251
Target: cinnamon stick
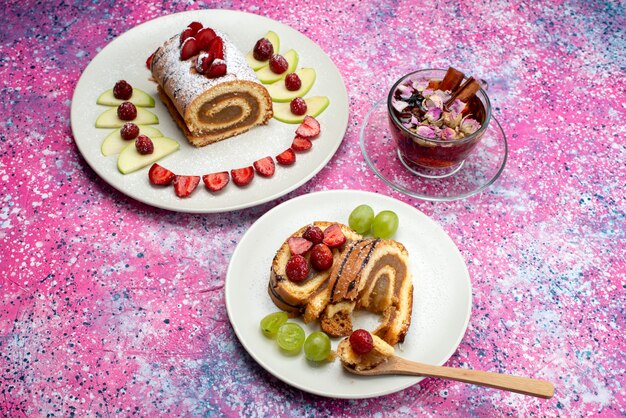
465, 92
452, 80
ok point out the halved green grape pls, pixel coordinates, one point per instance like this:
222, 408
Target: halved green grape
361, 219
290, 337
317, 346
385, 224
271, 323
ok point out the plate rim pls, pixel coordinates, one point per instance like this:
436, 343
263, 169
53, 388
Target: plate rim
412, 379
341, 128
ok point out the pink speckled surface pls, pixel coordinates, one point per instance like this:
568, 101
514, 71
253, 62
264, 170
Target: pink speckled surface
113, 308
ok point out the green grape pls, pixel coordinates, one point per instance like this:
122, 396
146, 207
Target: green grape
317, 346
385, 224
361, 219
290, 337
271, 323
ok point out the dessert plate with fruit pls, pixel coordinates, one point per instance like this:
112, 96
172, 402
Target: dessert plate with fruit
239, 145
323, 271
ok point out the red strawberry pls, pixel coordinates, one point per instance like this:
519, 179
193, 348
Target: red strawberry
242, 176
361, 341
321, 257
333, 236
149, 61
189, 48
216, 47
187, 33
313, 234
301, 144
309, 128
185, 185
287, 157
160, 176
299, 245
203, 62
297, 268
204, 38
216, 69
265, 167
216, 181
195, 27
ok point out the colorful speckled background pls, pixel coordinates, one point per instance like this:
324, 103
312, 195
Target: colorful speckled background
113, 308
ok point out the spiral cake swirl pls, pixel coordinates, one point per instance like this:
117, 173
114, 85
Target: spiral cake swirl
210, 109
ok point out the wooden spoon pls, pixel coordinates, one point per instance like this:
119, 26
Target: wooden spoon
523, 385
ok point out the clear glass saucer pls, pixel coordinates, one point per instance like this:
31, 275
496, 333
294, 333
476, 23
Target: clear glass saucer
481, 168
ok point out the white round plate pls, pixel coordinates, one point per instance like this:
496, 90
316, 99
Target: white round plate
441, 299
124, 58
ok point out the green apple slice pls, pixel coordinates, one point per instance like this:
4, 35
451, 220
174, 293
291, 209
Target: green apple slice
139, 98
254, 63
315, 105
267, 76
109, 119
279, 92
114, 143
130, 160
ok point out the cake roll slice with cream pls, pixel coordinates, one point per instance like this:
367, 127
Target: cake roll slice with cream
210, 109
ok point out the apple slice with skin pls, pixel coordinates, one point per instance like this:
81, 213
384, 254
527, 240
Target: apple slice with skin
109, 119
114, 143
279, 92
315, 105
130, 160
267, 76
139, 98
254, 63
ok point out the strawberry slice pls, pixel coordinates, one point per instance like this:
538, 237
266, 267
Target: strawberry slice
185, 185
187, 33
149, 61
189, 48
333, 236
195, 27
309, 128
217, 68
216, 181
203, 62
287, 157
299, 245
242, 176
301, 144
265, 167
204, 38
160, 176
216, 47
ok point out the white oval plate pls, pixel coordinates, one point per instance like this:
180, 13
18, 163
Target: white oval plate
441, 299
124, 58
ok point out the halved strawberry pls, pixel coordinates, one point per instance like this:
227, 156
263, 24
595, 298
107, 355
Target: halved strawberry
216, 181
217, 68
203, 62
160, 176
309, 128
301, 144
299, 245
242, 176
187, 33
287, 157
204, 38
216, 47
149, 61
265, 167
333, 236
185, 185
195, 27
189, 48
